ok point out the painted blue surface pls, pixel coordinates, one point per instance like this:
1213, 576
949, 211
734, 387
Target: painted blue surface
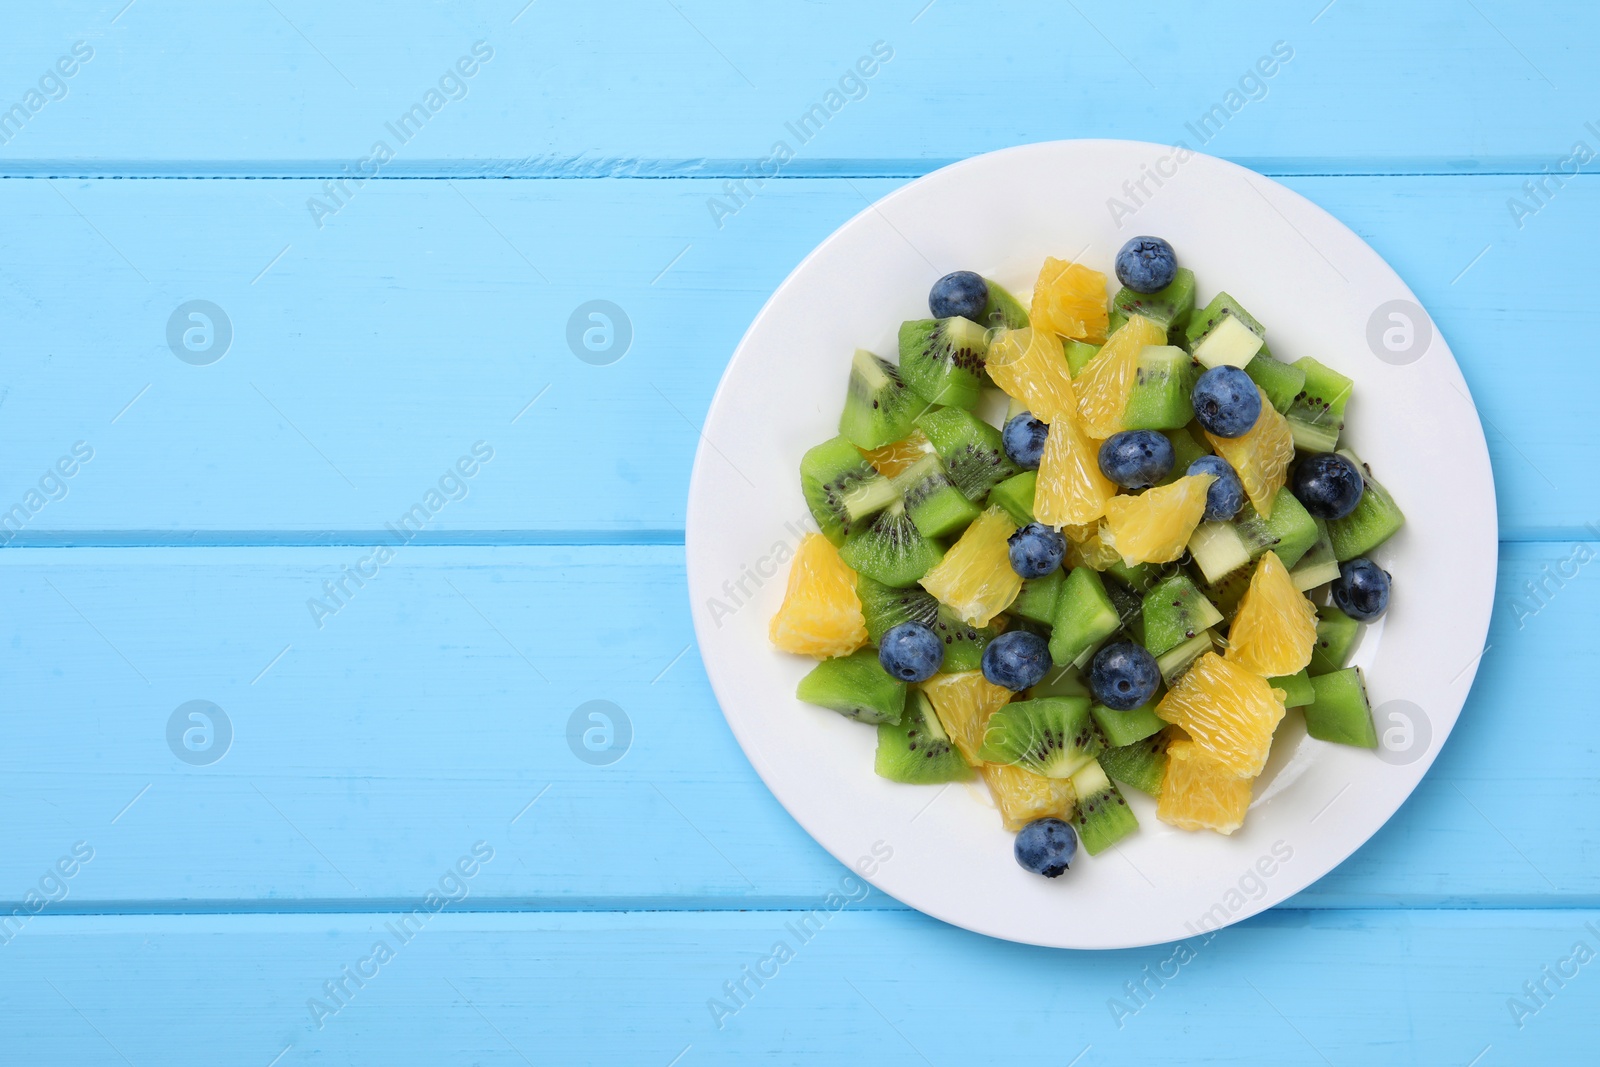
376, 345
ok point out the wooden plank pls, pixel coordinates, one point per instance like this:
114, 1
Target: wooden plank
892, 988
297, 87
435, 705
368, 356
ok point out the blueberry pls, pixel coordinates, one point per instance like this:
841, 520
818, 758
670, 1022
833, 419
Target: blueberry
1136, 459
1016, 659
1362, 589
1329, 485
1046, 846
1146, 264
1226, 495
1226, 402
1023, 438
1123, 676
911, 652
1036, 550
962, 293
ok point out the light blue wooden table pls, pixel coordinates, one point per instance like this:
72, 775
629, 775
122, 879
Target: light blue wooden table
191, 507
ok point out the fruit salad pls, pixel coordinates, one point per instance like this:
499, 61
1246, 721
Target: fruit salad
1074, 545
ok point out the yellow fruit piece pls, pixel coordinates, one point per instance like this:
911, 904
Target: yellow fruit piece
1155, 526
1226, 710
1198, 793
964, 703
975, 578
1261, 456
821, 614
896, 456
1103, 386
1095, 552
1070, 490
1070, 299
1275, 629
1031, 366
1023, 796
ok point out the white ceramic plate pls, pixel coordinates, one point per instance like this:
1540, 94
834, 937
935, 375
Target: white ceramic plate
1320, 291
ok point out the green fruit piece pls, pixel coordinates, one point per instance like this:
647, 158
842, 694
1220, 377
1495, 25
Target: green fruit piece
1142, 764
935, 505
1060, 682
1127, 603
1319, 565
1085, 617
1186, 448
1103, 817
917, 750
1376, 518
1175, 611
1336, 639
1079, 355
842, 489
1297, 686
1290, 532
1050, 736
1160, 397
1003, 309
1168, 308
878, 406
942, 359
1015, 495
1281, 382
1226, 592
1223, 333
891, 549
856, 686
1115, 321
1138, 577
1179, 658
1340, 712
972, 451
885, 607
1218, 550
1316, 417
1036, 600
963, 642
1125, 727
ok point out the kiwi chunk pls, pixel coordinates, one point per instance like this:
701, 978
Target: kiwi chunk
1079, 355
1125, 727
1138, 577
963, 642
885, 607
856, 686
878, 406
1060, 682
1169, 308
1015, 495
1050, 736
1341, 712
1085, 617
1187, 446
1175, 611
972, 451
1376, 518
1142, 764
1297, 688
1281, 382
1103, 817
891, 549
1003, 309
1224, 333
935, 505
942, 359
917, 750
1218, 550
1036, 600
842, 489
1290, 532
1319, 565
1336, 639
1173, 662
1316, 417
1226, 592
1162, 383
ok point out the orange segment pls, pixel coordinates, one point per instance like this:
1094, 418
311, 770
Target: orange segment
1155, 526
975, 579
1261, 456
1070, 299
1095, 551
1198, 793
1070, 490
1275, 629
964, 703
1031, 366
896, 456
1228, 711
821, 614
1023, 796
1103, 386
